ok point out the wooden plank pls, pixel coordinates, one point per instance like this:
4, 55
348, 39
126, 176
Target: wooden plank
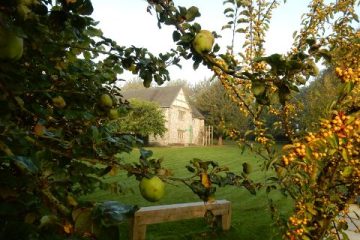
174, 212
214, 204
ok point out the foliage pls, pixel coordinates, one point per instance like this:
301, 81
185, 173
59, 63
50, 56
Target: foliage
210, 174
219, 110
55, 141
142, 118
322, 174
259, 84
316, 100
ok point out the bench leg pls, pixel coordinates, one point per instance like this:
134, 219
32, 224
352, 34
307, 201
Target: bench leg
138, 231
226, 220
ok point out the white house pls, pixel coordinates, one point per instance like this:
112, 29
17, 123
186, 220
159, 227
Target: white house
184, 123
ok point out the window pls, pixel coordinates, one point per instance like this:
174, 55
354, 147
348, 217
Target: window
180, 134
181, 115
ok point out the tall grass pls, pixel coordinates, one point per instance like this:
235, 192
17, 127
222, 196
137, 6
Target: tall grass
251, 218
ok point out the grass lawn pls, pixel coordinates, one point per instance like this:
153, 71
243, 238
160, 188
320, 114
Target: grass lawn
250, 214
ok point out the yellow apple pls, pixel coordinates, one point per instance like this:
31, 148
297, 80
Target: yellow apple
203, 42
11, 46
113, 114
152, 189
106, 100
59, 102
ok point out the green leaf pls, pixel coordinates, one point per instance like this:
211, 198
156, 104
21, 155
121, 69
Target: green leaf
345, 155
187, 38
311, 208
48, 220
87, 55
192, 13
246, 168
258, 88
241, 30
190, 169
227, 26
25, 164
176, 36
347, 171
344, 236
196, 65
83, 7
216, 48
228, 10
145, 154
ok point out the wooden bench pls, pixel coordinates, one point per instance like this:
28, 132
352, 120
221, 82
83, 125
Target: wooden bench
166, 213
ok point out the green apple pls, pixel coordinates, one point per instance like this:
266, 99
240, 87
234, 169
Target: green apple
152, 189
11, 46
59, 102
113, 114
133, 68
203, 42
106, 100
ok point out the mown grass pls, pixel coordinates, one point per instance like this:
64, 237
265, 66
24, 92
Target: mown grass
251, 218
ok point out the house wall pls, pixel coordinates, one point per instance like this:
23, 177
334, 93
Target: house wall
164, 140
182, 128
180, 121
198, 131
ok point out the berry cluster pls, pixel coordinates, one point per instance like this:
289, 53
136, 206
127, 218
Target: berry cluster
348, 75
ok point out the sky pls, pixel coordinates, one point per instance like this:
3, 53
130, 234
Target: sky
128, 23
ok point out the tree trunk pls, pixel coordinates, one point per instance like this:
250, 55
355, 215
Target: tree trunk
220, 140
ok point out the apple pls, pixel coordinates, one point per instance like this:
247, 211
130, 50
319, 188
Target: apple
203, 42
106, 100
59, 102
11, 46
113, 114
152, 189
133, 69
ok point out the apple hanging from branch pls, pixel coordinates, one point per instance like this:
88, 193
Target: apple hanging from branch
11, 46
152, 189
203, 42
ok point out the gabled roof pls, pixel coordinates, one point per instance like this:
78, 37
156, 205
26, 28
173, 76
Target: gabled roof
195, 113
164, 96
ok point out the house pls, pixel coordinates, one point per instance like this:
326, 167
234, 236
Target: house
184, 123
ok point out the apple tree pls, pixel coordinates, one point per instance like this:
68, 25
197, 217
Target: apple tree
58, 76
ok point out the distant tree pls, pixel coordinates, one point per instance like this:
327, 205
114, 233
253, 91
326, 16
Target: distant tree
186, 86
178, 82
212, 100
316, 99
142, 119
135, 83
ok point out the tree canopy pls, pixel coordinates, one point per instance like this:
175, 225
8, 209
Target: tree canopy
211, 99
143, 118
